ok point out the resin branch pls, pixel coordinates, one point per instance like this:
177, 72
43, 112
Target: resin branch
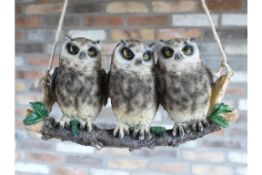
100, 138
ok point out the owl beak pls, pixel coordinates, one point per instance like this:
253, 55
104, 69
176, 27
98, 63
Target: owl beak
138, 61
178, 56
82, 55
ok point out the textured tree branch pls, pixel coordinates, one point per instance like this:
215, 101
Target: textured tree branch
100, 138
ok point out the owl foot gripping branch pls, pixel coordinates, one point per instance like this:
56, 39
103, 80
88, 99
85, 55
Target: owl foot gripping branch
141, 78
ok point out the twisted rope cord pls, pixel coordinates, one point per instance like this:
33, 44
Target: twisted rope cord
57, 35
213, 27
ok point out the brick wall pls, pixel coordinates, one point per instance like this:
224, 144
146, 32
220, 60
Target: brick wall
221, 153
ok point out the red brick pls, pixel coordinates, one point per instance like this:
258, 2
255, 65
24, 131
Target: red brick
202, 156
20, 111
179, 33
127, 164
104, 21
43, 9
20, 86
172, 168
224, 5
214, 170
31, 21
37, 60
69, 171
148, 20
45, 157
25, 98
177, 6
19, 35
236, 91
222, 144
40, 144
140, 34
32, 75
126, 7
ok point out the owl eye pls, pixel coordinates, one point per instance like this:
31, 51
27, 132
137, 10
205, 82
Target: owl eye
92, 52
187, 50
167, 52
72, 48
127, 54
147, 56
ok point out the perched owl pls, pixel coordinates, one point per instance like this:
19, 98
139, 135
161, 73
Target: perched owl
78, 81
132, 88
184, 84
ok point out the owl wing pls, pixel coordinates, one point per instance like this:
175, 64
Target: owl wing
210, 76
54, 79
104, 85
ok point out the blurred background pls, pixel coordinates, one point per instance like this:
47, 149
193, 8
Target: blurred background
220, 153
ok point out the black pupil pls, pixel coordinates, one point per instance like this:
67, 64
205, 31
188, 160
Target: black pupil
127, 54
73, 49
147, 56
167, 52
187, 50
92, 52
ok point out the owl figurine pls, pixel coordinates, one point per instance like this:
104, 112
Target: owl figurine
78, 81
132, 88
184, 84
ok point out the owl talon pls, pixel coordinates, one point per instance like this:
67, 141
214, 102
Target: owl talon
178, 130
181, 131
89, 126
143, 132
120, 130
205, 123
186, 129
65, 122
200, 126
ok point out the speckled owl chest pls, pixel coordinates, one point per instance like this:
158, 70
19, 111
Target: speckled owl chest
76, 87
131, 91
185, 91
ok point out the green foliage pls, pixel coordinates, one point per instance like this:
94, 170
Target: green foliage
32, 119
75, 126
39, 108
158, 130
216, 116
40, 112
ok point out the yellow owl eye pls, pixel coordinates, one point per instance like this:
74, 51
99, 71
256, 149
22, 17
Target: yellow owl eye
72, 48
167, 52
147, 56
92, 52
187, 50
127, 54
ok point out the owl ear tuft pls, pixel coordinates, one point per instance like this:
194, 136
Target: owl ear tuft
152, 44
98, 42
193, 39
68, 37
123, 41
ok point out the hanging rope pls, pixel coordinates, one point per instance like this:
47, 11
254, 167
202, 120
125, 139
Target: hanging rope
224, 57
57, 35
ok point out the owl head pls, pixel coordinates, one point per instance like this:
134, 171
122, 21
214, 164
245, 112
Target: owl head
133, 55
81, 53
178, 54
